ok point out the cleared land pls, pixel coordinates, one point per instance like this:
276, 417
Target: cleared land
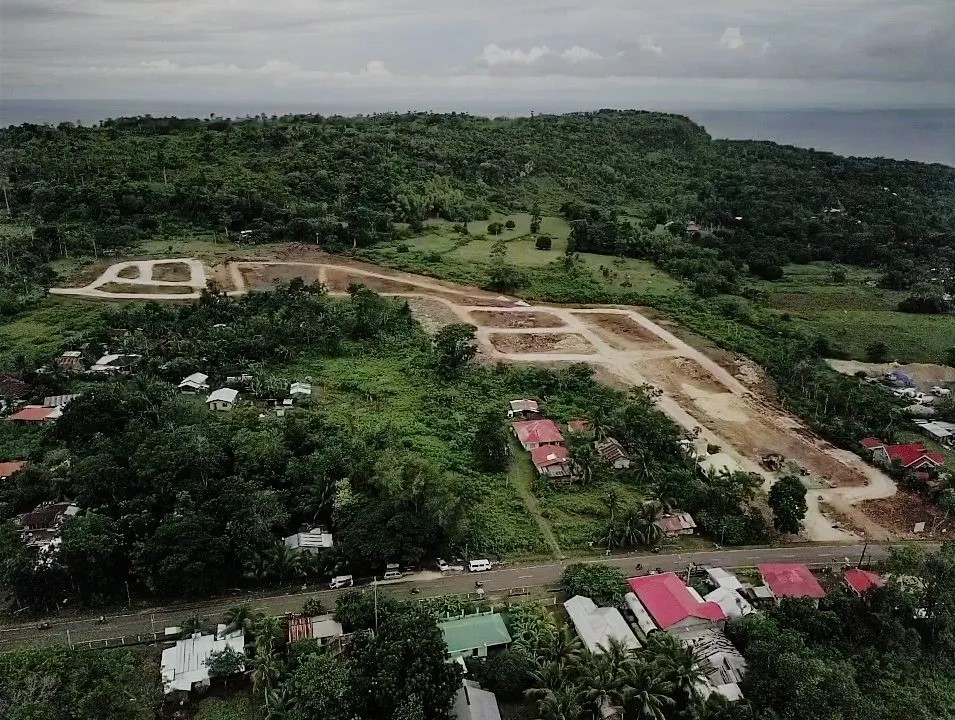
118, 287
541, 343
129, 273
172, 272
490, 318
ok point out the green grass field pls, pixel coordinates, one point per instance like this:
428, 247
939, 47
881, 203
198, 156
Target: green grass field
235, 707
579, 515
37, 335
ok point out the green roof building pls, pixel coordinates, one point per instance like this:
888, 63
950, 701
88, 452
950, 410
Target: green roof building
474, 636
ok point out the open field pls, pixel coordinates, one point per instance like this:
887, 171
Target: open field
39, 333
697, 392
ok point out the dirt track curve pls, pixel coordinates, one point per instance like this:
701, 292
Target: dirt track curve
625, 345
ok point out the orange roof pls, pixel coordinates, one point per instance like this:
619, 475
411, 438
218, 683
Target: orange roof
32, 413
11, 468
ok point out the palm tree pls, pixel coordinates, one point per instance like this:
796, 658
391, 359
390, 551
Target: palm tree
268, 633
266, 670
602, 684
583, 455
561, 646
565, 703
647, 693
648, 531
551, 676
280, 704
284, 563
241, 617
681, 665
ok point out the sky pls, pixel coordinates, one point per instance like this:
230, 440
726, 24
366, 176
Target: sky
389, 54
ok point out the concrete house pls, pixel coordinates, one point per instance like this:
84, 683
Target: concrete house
196, 383
222, 399
183, 666
911, 456
310, 541
474, 703
535, 433
674, 607
790, 580
321, 628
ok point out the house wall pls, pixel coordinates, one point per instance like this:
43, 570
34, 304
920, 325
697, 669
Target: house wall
220, 405
621, 464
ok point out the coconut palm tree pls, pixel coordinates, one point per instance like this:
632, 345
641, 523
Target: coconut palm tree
268, 632
681, 665
551, 676
280, 704
241, 617
561, 646
565, 703
266, 670
284, 563
602, 684
647, 694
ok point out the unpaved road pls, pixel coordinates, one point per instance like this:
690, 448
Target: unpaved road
144, 276
697, 392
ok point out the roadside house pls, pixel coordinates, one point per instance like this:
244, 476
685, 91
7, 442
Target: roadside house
535, 433
183, 666
41, 527
721, 578
673, 606
222, 399
474, 703
675, 524
731, 602
597, 626
911, 456
860, 581
11, 468
321, 628
552, 461
790, 580
196, 383
612, 453
475, 636
310, 541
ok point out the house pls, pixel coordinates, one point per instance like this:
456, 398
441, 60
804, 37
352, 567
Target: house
300, 390
723, 665
692, 227
310, 541
524, 409
677, 523
790, 580
9, 469
612, 453
552, 461
862, 580
70, 361
12, 389
673, 606
580, 425
731, 602
196, 383
58, 401
114, 363
183, 666
474, 703
940, 430
911, 456
35, 413
475, 636
534, 433
723, 578
41, 526
321, 628
238, 380
222, 399
597, 626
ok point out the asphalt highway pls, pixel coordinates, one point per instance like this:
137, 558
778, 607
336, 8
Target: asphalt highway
497, 584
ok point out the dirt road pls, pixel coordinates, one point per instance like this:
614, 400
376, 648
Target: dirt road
696, 392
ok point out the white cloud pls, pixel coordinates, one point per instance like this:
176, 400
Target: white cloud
649, 44
732, 38
493, 55
580, 54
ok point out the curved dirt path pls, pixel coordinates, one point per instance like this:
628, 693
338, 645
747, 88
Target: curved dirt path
632, 365
196, 281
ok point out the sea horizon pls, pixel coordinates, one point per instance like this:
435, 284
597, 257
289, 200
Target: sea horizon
920, 134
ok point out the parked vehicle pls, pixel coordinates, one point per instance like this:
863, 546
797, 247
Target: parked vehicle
482, 565
444, 566
341, 581
393, 575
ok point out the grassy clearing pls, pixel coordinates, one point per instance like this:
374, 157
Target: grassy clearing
38, 334
521, 475
579, 515
236, 707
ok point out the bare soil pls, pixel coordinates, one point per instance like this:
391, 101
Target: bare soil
221, 275
432, 315
131, 273
620, 331
146, 289
530, 319
171, 272
900, 512
567, 343
266, 277
339, 281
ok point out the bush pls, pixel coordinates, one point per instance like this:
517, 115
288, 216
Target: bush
495, 228
402, 248
604, 585
510, 225
544, 242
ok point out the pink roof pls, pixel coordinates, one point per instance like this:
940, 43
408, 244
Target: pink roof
791, 580
537, 431
32, 413
912, 453
862, 580
547, 455
871, 443
669, 601
10, 468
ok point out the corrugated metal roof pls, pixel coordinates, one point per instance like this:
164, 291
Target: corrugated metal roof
596, 626
477, 631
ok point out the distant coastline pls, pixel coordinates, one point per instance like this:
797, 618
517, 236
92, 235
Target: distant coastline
923, 135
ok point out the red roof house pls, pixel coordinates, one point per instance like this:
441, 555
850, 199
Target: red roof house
551, 460
534, 433
912, 456
862, 580
11, 468
671, 604
35, 413
791, 580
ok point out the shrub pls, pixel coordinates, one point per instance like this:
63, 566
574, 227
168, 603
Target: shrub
510, 224
544, 242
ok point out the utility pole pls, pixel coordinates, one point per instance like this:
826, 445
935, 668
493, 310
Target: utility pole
864, 548
375, 584
129, 601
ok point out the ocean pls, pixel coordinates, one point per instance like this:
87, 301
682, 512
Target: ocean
925, 135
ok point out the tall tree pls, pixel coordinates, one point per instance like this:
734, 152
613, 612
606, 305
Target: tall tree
787, 498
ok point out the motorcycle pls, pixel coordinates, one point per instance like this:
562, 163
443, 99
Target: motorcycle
478, 584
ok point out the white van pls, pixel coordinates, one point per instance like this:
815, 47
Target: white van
479, 565
341, 581
393, 575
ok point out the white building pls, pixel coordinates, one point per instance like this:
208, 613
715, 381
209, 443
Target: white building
195, 383
733, 604
474, 703
597, 626
222, 399
300, 390
311, 540
723, 578
183, 666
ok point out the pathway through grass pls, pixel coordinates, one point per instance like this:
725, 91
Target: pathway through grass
520, 473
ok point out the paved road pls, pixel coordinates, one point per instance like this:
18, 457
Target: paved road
496, 583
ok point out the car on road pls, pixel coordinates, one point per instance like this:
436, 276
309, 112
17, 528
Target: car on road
444, 567
341, 581
482, 565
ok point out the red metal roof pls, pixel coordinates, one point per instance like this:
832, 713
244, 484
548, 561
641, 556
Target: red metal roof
870, 443
10, 468
862, 580
32, 413
669, 601
537, 431
547, 455
912, 453
791, 580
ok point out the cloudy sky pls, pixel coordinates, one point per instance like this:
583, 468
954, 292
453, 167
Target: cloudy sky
389, 54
